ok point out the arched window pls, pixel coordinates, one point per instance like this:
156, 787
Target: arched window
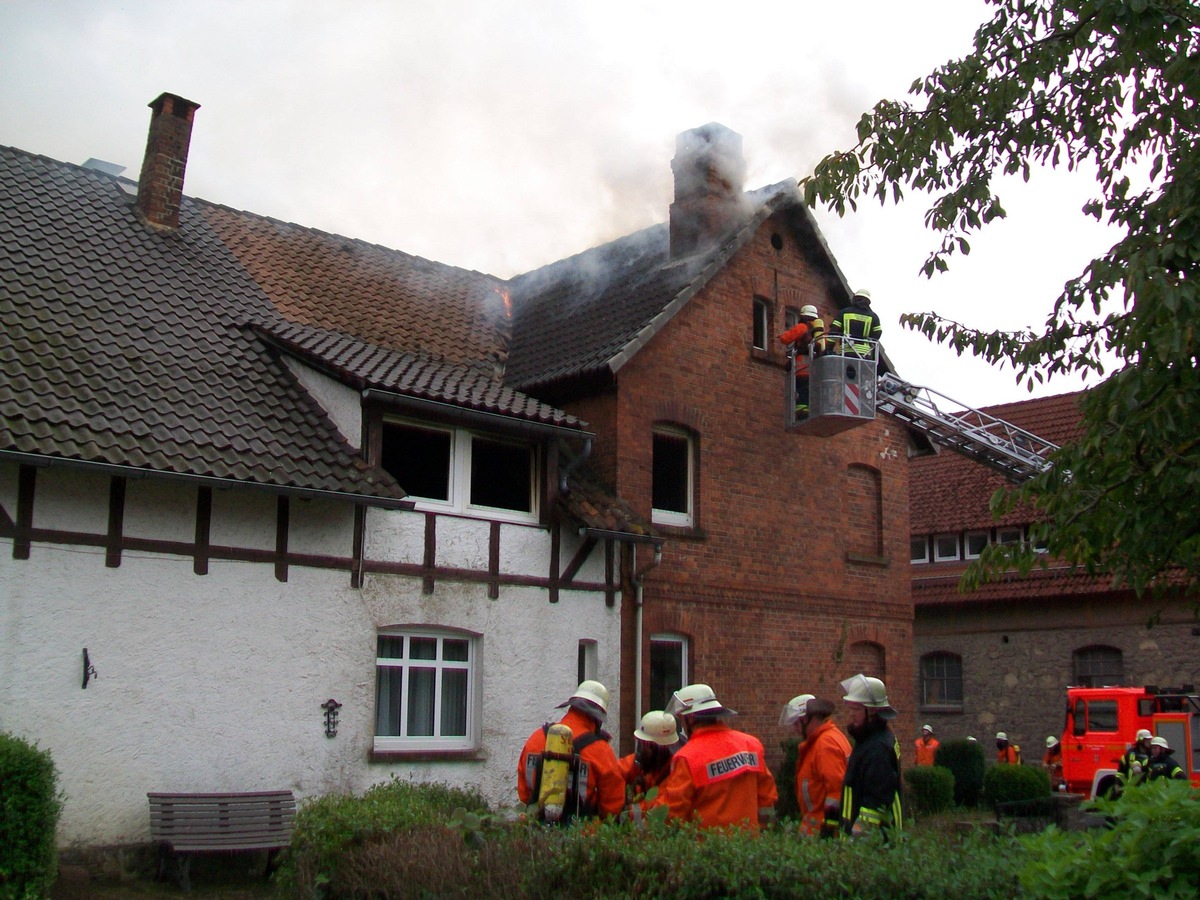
867, 657
1097, 666
941, 680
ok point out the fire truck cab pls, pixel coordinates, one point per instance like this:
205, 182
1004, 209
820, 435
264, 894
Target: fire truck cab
1103, 721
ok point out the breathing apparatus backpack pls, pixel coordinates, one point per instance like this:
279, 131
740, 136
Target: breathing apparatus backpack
561, 778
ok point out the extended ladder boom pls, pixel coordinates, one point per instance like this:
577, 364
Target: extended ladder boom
993, 442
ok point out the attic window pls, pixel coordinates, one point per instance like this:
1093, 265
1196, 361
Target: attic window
456, 470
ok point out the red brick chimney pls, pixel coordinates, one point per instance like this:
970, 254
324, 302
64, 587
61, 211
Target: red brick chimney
709, 172
160, 187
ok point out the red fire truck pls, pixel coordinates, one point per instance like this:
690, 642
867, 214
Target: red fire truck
1103, 721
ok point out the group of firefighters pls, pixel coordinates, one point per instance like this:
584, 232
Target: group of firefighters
703, 770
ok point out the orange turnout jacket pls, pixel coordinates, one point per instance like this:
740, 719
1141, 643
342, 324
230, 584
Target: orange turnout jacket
926, 751
719, 777
820, 768
606, 787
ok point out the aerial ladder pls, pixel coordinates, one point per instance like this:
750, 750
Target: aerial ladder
846, 388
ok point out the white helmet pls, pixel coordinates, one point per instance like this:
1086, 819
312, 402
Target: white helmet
1159, 741
870, 692
862, 293
697, 698
659, 727
795, 709
1001, 736
971, 739
928, 728
590, 697
809, 310
1143, 735
1051, 741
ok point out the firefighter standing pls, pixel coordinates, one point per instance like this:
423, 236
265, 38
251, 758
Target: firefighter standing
855, 327
657, 739
820, 764
1052, 762
720, 776
926, 746
1007, 754
871, 790
1162, 764
603, 788
1131, 768
808, 332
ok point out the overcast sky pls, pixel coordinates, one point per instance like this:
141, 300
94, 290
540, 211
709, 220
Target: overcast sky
501, 135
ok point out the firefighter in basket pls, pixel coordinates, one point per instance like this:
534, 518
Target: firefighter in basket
568, 769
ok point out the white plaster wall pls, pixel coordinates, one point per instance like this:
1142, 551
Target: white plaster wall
343, 405
215, 682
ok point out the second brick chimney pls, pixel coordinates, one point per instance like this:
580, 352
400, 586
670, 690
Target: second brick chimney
709, 173
160, 187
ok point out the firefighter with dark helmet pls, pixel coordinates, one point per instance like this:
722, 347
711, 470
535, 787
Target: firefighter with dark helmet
871, 798
720, 776
596, 786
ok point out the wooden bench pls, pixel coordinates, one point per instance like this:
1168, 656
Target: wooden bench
197, 823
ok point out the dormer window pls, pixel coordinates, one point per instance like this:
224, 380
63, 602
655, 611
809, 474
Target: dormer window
452, 469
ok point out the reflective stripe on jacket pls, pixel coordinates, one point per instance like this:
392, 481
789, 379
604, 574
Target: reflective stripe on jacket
871, 792
605, 788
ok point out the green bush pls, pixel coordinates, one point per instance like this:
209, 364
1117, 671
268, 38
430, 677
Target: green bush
1151, 849
334, 832
1009, 784
787, 807
964, 759
30, 804
930, 789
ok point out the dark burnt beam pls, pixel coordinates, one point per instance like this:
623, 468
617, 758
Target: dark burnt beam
429, 564
494, 562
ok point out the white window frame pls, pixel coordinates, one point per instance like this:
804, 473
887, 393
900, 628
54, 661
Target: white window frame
670, 637
402, 742
968, 553
761, 323
671, 517
938, 555
1012, 534
461, 446
924, 555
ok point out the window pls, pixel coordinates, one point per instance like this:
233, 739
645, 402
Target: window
425, 690
941, 680
974, 543
586, 661
1098, 666
668, 667
1009, 535
945, 547
919, 549
791, 316
672, 478
762, 323
456, 470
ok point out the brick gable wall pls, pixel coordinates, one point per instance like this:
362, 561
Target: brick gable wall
764, 587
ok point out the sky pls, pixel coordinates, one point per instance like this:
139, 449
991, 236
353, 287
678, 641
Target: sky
501, 135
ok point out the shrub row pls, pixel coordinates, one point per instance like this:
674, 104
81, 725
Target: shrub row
29, 808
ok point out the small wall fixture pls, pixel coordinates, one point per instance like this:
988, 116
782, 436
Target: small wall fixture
89, 671
331, 707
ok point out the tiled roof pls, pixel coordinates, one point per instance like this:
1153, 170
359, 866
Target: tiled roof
364, 365
938, 585
593, 505
380, 296
584, 316
949, 492
125, 347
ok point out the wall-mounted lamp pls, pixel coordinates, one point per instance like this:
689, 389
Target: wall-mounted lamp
331, 707
89, 671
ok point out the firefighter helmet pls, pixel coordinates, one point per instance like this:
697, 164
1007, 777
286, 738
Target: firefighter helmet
695, 699
870, 692
591, 697
1143, 735
795, 709
1051, 741
809, 310
1160, 741
862, 296
928, 728
659, 727
1001, 736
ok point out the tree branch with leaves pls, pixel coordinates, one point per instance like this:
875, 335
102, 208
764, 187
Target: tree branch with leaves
1111, 87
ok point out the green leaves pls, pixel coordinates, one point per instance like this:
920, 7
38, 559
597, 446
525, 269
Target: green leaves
1111, 84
